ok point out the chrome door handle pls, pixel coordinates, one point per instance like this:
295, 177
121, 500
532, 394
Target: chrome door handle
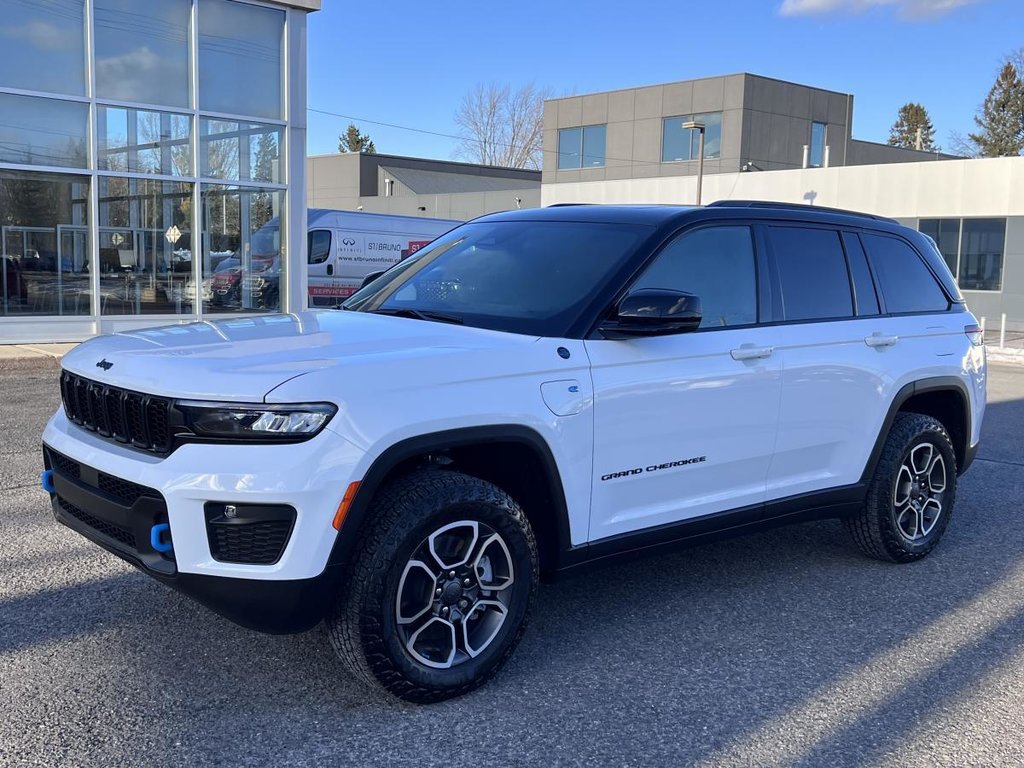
750, 352
878, 340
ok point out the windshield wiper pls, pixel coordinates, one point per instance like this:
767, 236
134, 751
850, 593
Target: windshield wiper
420, 314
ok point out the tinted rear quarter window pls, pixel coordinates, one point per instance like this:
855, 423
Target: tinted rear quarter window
906, 282
812, 271
863, 286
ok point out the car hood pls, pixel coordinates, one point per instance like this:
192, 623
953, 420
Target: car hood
243, 359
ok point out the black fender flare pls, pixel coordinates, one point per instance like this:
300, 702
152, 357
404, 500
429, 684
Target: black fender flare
434, 442
932, 384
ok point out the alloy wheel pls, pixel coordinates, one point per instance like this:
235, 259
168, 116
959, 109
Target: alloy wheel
919, 493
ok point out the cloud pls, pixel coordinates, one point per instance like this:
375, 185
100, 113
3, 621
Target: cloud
910, 9
45, 36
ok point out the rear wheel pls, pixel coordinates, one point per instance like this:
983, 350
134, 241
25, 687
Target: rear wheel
440, 591
911, 496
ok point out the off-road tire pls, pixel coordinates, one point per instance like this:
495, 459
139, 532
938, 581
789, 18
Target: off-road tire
362, 625
874, 528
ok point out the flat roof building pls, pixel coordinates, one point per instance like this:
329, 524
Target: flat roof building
413, 186
750, 122
160, 142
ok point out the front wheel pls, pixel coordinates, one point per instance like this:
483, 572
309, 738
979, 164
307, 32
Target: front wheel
911, 496
440, 590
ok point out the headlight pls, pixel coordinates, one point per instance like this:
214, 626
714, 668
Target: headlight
235, 421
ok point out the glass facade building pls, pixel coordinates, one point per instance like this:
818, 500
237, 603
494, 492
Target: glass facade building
151, 163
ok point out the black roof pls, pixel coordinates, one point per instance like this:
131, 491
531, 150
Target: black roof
661, 215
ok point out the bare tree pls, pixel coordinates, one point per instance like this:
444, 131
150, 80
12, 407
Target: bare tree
503, 126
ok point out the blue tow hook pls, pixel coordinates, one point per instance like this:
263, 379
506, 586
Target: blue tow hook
46, 480
154, 538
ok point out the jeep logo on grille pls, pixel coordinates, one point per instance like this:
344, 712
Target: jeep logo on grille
104, 364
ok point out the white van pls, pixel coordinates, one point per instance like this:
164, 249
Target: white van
346, 246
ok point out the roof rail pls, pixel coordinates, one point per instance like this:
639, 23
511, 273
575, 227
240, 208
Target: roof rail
795, 207
565, 205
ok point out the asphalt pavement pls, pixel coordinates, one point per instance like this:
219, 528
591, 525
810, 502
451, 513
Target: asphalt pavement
782, 648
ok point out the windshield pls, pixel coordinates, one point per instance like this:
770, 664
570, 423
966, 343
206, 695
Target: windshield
530, 277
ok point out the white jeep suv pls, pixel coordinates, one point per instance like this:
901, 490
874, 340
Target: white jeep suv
533, 392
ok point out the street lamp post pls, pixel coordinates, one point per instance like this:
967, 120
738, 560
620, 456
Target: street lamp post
694, 125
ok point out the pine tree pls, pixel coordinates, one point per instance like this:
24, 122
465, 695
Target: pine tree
354, 141
1001, 121
913, 117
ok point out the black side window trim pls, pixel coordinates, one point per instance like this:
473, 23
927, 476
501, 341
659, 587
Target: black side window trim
844, 235
759, 263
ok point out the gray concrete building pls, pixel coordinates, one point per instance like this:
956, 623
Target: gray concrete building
412, 186
751, 123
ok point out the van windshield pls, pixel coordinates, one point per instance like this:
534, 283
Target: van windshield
531, 277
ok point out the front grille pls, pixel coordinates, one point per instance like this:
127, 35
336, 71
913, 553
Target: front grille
119, 414
255, 543
108, 529
125, 491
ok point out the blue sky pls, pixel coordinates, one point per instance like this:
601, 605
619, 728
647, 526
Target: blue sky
409, 63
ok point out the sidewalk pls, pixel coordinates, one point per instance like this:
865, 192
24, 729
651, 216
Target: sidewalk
26, 357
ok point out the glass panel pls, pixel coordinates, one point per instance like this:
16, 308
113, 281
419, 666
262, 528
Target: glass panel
45, 240
907, 284
981, 254
142, 51
817, 157
716, 264
675, 141
38, 131
946, 234
242, 265
240, 58
242, 151
144, 142
712, 135
813, 273
43, 45
145, 247
319, 246
593, 145
570, 145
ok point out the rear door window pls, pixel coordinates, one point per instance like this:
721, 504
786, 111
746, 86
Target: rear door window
812, 271
906, 283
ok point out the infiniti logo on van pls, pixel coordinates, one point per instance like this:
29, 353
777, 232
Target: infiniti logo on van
104, 364
348, 241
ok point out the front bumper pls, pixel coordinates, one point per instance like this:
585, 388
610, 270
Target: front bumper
311, 477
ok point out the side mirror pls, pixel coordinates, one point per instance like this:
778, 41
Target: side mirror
371, 277
654, 312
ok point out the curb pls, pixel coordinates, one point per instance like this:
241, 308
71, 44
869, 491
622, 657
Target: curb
26, 357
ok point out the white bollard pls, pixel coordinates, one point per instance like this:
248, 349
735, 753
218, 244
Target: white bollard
1002, 332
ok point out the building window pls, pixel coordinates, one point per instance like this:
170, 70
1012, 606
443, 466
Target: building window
240, 151
44, 46
38, 131
819, 132
242, 266
973, 250
145, 247
45, 244
981, 254
582, 147
678, 143
142, 51
240, 71
140, 141
946, 235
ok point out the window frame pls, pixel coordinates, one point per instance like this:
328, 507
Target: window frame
763, 294
578, 154
952, 305
779, 316
810, 145
694, 153
309, 245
